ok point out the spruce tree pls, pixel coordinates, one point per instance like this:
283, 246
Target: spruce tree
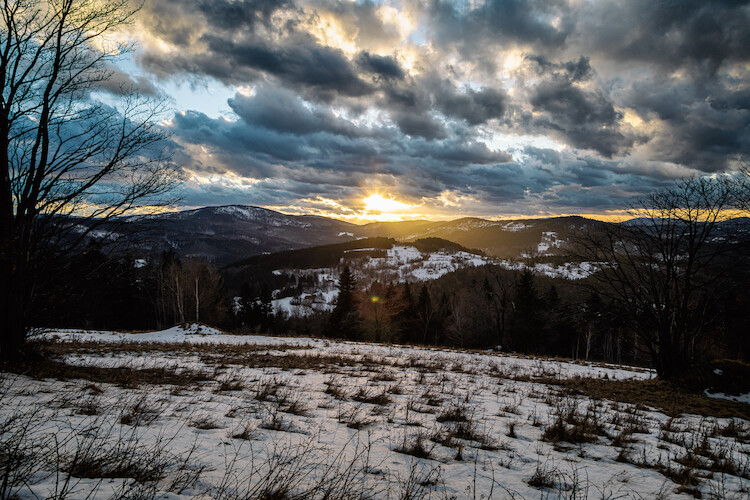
345, 319
528, 320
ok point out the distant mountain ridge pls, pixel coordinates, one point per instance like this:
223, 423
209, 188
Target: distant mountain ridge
227, 234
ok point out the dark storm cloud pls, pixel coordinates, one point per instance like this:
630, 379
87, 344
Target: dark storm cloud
120, 83
704, 127
302, 63
238, 43
573, 71
583, 118
670, 33
473, 106
181, 22
331, 162
386, 67
623, 88
285, 112
233, 15
499, 21
321, 153
420, 125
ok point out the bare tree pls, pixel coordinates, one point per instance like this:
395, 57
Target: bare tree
457, 327
69, 162
667, 265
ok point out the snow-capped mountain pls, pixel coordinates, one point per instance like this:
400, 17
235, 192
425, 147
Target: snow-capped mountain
229, 233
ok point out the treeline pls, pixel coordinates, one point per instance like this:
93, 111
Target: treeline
475, 308
98, 290
490, 307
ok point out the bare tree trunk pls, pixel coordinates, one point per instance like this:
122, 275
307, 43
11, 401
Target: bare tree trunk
179, 299
57, 147
197, 301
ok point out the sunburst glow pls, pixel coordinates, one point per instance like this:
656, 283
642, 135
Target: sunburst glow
378, 203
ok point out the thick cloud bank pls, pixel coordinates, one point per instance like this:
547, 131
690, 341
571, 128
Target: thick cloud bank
481, 108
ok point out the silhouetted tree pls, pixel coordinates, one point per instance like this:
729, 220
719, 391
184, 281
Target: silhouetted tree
666, 267
426, 314
62, 153
345, 319
527, 320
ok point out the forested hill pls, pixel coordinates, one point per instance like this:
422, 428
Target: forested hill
222, 235
229, 234
502, 238
318, 256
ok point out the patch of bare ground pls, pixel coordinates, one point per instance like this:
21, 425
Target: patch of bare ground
124, 376
99, 348
665, 396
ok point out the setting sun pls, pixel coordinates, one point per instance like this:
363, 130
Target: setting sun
377, 203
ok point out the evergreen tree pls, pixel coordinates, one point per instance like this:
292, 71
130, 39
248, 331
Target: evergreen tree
345, 319
425, 313
528, 320
405, 319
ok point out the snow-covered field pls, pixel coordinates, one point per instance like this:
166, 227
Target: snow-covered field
178, 414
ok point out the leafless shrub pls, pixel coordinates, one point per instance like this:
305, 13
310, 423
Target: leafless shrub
100, 451
274, 421
291, 401
141, 412
511, 430
267, 388
21, 456
395, 389
299, 471
204, 422
354, 417
88, 406
431, 399
364, 395
415, 445
384, 376
227, 384
573, 427
420, 482
545, 476
335, 388
245, 431
736, 429
455, 413
684, 477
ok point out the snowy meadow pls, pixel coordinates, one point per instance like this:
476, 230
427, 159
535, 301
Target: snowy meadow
196, 413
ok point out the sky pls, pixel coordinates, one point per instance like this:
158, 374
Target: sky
390, 110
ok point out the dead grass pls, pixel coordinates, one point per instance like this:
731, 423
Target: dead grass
57, 348
415, 445
205, 423
373, 396
122, 376
455, 413
668, 398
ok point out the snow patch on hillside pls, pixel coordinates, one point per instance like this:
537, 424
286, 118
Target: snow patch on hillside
549, 240
401, 264
514, 227
569, 270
